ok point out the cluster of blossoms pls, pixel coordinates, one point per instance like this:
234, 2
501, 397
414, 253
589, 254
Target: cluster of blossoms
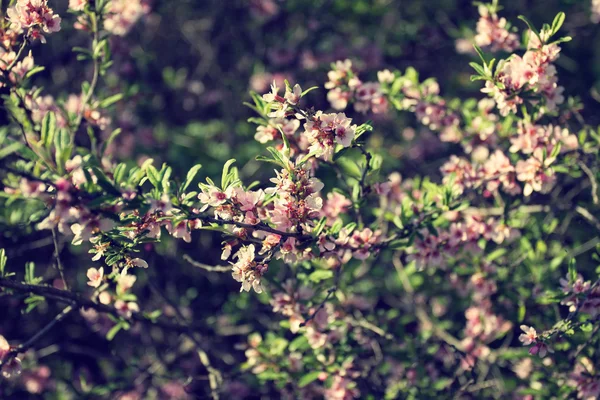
345, 87
321, 334
120, 17
431, 250
585, 379
290, 303
33, 17
324, 131
483, 325
120, 297
530, 337
493, 33
282, 106
533, 74
123, 15
581, 295
18, 71
536, 142
298, 202
65, 111
248, 271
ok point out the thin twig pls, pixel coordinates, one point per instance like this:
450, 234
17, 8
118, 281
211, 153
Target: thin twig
588, 216
330, 293
86, 97
23, 347
14, 62
59, 264
79, 301
215, 379
593, 181
210, 268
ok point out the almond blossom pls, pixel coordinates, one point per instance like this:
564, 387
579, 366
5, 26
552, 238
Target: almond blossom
4, 347
529, 336
95, 276
33, 16
126, 308
492, 32
247, 271
326, 130
123, 15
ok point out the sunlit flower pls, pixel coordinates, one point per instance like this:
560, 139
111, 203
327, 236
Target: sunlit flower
95, 276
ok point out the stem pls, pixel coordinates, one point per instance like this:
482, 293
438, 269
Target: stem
19, 53
258, 227
23, 347
59, 264
87, 96
209, 268
214, 376
79, 301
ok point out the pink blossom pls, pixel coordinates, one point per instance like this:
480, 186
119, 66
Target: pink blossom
541, 349
342, 389
95, 276
33, 16
125, 282
213, 196
4, 347
122, 16
77, 5
180, 231
492, 32
529, 336
247, 271
126, 309
293, 96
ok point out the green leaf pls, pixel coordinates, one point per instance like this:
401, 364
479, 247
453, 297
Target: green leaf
587, 327
478, 68
30, 272
5, 151
557, 22
48, 129
34, 71
3, 260
110, 139
113, 332
300, 343
190, 176
109, 101
319, 227
496, 254
480, 53
119, 173
310, 89
308, 378
572, 271
225, 174
531, 27
165, 174
320, 275
522, 311
153, 176
105, 183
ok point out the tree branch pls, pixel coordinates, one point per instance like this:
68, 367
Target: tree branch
79, 301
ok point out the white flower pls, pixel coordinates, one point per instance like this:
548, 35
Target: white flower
95, 276
529, 336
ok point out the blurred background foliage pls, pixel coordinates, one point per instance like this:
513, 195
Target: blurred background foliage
186, 69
